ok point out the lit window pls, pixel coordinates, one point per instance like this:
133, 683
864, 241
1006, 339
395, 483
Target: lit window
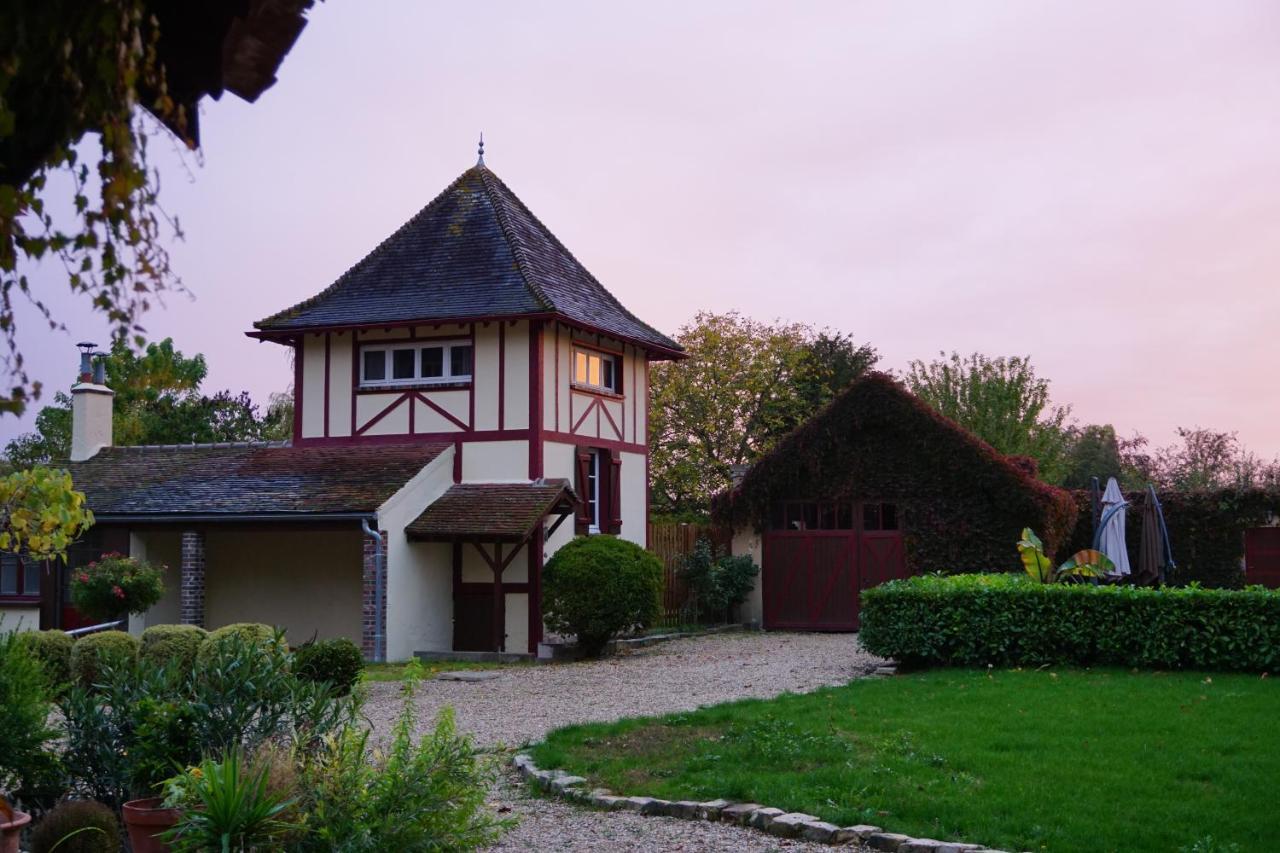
597, 370
410, 364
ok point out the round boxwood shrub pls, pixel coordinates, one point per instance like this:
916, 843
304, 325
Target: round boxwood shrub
337, 661
77, 826
89, 652
597, 586
251, 633
175, 645
53, 650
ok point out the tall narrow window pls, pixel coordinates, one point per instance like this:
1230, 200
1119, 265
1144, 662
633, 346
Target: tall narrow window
593, 491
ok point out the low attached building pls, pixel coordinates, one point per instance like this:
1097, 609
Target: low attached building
878, 486
459, 394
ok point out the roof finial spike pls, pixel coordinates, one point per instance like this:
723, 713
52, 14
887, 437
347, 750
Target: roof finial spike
480, 162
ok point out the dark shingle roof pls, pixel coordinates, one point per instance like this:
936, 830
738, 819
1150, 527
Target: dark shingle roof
474, 251
506, 512
257, 479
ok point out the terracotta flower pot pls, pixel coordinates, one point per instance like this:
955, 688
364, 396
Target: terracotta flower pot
11, 831
146, 821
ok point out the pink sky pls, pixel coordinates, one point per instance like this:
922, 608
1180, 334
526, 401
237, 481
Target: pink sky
1094, 184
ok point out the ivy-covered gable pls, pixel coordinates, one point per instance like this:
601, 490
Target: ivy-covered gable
963, 503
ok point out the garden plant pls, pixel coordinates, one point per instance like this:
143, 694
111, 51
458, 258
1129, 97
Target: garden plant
114, 586
596, 587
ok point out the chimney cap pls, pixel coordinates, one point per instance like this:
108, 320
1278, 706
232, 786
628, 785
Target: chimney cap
87, 345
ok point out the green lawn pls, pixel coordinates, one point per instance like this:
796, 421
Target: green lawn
1024, 760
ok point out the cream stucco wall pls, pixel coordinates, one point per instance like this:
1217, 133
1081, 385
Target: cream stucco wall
495, 461
747, 541
162, 548
340, 356
635, 499
419, 574
515, 368
308, 582
14, 618
312, 413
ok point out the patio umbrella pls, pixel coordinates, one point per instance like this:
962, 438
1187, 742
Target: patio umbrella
1110, 538
1151, 547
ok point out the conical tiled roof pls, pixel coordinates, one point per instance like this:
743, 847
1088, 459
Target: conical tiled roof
474, 251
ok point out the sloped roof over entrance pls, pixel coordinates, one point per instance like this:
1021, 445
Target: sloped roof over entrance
491, 512
273, 480
474, 252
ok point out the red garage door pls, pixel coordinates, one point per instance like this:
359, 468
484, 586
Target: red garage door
1262, 556
818, 558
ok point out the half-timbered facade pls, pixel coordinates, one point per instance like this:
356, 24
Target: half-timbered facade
473, 335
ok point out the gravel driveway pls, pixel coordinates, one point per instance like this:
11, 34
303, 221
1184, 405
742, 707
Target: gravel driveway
525, 702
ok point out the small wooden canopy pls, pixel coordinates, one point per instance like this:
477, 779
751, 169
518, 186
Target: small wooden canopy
492, 512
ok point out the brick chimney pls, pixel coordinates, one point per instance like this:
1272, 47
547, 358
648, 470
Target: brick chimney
90, 406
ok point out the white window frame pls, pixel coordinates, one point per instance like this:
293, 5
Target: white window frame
447, 377
588, 354
593, 482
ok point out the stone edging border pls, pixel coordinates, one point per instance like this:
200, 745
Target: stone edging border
771, 820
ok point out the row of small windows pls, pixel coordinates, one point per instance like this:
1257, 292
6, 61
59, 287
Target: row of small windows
833, 515
432, 364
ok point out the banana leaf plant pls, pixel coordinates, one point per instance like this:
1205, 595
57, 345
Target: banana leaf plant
1087, 563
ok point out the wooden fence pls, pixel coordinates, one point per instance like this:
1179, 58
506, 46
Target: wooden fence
672, 542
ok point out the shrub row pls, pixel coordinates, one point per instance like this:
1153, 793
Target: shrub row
65, 660
1009, 620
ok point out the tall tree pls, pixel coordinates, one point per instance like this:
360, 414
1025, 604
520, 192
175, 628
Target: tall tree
1207, 459
1095, 450
157, 401
744, 386
1000, 400
69, 69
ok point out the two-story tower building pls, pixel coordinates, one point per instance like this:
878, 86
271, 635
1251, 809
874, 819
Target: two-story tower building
467, 398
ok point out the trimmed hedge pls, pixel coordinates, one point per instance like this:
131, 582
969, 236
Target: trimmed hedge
53, 650
338, 662
962, 503
250, 632
88, 653
1009, 620
173, 644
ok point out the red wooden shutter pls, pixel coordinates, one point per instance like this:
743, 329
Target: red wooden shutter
615, 492
582, 520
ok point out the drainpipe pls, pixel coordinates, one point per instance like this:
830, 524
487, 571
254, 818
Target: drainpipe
379, 644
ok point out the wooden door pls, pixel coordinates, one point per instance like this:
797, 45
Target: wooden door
1262, 556
810, 580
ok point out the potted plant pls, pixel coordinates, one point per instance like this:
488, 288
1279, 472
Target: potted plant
146, 820
12, 823
115, 586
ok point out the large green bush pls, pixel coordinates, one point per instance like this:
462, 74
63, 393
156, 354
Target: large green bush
175, 645
89, 653
337, 662
1007, 620
597, 586
77, 826
142, 720
28, 759
53, 650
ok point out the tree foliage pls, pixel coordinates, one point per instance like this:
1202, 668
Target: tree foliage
158, 401
744, 386
40, 513
66, 69
1000, 400
1204, 460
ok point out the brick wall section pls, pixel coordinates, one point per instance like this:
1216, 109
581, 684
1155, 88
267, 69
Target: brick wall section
368, 606
193, 577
